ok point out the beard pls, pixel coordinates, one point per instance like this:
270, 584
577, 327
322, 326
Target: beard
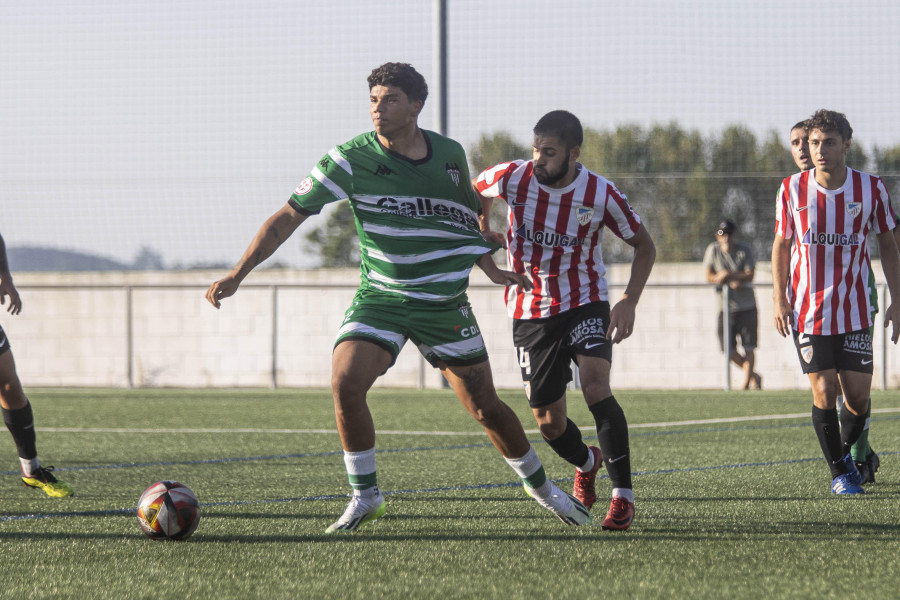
552, 177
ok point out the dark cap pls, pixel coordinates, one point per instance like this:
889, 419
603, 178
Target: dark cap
725, 227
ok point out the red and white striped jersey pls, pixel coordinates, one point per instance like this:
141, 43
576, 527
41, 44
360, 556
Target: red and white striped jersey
829, 265
554, 235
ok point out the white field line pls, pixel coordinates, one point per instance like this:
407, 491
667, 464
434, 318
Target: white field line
432, 433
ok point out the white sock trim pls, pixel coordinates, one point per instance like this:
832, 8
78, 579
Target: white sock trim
29, 465
626, 493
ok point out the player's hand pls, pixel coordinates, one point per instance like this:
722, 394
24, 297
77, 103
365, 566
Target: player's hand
495, 237
15, 302
222, 289
783, 315
502, 277
621, 321
892, 316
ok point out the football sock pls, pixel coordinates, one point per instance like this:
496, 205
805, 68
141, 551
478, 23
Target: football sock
825, 422
852, 427
361, 470
531, 472
570, 447
612, 433
29, 465
20, 423
861, 449
626, 493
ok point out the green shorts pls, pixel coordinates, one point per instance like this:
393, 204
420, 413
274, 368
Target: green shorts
444, 332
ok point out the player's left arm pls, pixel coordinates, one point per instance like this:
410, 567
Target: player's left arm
890, 264
500, 276
622, 315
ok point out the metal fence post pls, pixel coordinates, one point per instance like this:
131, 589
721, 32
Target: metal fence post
726, 337
273, 383
129, 336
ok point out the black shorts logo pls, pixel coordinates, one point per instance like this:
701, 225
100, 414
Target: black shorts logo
590, 329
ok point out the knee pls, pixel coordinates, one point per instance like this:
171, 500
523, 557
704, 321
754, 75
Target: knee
550, 430
346, 389
595, 391
490, 412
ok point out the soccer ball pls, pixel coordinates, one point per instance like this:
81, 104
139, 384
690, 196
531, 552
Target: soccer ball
168, 510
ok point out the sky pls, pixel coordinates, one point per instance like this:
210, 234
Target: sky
181, 126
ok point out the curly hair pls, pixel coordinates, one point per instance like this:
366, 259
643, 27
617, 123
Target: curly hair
403, 76
830, 120
563, 125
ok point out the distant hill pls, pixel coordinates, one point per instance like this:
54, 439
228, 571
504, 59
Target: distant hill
49, 259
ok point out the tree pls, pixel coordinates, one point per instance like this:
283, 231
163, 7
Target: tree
495, 149
148, 259
337, 242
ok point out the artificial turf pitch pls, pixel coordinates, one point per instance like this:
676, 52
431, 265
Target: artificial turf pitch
732, 500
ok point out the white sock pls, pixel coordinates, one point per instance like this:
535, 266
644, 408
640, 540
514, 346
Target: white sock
589, 464
626, 493
527, 466
29, 465
361, 471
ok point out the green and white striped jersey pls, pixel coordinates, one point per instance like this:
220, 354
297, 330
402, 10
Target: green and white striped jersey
417, 220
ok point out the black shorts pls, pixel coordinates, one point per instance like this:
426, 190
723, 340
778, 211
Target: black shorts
742, 324
4, 341
545, 348
843, 352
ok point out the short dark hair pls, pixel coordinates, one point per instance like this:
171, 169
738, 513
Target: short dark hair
562, 124
403, 76
830, 120
804, 125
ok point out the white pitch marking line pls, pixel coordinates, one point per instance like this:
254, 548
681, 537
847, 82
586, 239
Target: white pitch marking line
433, 433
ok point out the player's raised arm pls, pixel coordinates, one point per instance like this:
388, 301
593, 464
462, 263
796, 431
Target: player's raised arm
270, 236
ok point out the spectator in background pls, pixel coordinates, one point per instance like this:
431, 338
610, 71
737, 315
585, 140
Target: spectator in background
731, 263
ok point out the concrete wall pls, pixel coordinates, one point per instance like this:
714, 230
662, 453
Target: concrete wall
74, 331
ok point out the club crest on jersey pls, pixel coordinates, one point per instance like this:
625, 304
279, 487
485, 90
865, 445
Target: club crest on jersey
584, 215
854, 208
463, 310
304, 187
453, 171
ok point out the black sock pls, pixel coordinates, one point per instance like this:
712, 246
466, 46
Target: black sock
569, 446
20, 423
825, 422
612, 432
852, 427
